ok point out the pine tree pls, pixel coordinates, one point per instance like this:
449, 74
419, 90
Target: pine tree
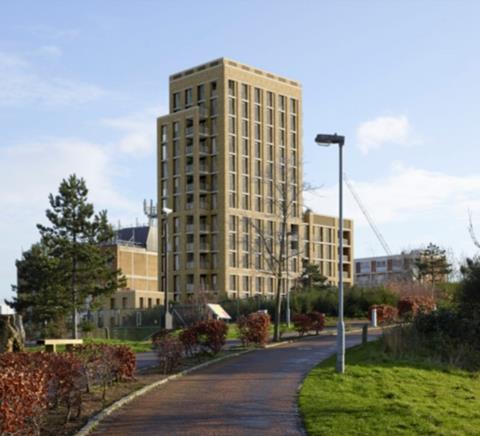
41, 299
77, 240
312, 277
432, 265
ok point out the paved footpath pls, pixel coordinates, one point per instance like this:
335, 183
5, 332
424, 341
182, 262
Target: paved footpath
252, 394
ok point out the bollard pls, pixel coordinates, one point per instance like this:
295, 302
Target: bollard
365, 334
374, 318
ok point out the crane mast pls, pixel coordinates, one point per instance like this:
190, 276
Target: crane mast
364, 210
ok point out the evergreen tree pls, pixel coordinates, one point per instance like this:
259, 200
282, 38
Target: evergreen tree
469, 292
312, 277
432, 265
41, 300
77, 242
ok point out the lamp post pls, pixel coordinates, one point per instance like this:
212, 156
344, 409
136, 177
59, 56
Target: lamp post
167, 316
326, 140
287, 290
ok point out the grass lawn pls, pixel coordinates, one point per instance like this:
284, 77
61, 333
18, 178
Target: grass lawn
136, 346
379, 395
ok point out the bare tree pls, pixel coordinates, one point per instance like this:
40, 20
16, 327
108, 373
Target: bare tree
472, 231
273, 239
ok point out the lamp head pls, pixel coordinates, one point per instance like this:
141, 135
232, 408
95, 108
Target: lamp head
167, 211
325, 140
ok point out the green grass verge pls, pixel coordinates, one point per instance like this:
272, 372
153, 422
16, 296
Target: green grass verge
379, 395
136, 346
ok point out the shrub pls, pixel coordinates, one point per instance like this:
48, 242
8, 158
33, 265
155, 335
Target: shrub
188, 337
385, 313
23, 400
411, 306
170, 351
317, 321
254, 328
302, 323
211, 335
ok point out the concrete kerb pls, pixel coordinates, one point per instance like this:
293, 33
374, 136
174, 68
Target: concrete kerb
95, 420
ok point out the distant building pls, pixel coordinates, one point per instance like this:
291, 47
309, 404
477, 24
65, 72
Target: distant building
135, 254
321, 246
383, 269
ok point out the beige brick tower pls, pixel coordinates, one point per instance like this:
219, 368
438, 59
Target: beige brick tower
232, 137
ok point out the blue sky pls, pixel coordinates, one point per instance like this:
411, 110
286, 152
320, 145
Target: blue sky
82, 82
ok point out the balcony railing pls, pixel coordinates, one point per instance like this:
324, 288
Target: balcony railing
204, 246
190, 287
189, 206
189, 187
190, 228
202, 112
189, 149
190, 265
189, 169
204, 228
189, 131
203, 130
189, 246
204, 149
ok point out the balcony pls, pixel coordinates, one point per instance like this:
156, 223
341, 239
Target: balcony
204, 246
190, 265
190, 228
346, 259
189, 187
346, 242
189, 131
190, 246
204, 228
202, 112
203, 205
189, 149
190, 287
203, 130
205, 187
204, 264
189, 206
189, 169
203, 169
203, 150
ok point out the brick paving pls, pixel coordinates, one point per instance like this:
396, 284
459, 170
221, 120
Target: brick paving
253, 394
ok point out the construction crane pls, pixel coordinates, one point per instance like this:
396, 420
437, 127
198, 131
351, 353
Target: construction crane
367, 216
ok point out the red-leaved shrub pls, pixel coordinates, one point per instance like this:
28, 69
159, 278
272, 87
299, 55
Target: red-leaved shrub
302, 323
305, 322
169, 350
211, 334
385, 313
254, 328
318, 321
23, 400
411, 306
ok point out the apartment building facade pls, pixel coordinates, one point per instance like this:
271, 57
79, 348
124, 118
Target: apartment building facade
379, 270
321, 246
136, 255
230, 171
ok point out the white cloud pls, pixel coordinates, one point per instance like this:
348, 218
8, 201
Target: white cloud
385, 130
420, 206
50, 50
138, 130
21, 84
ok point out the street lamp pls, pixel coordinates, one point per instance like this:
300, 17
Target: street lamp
167, 316
326, 140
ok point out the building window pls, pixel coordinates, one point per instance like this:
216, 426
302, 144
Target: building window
176, 101
231, 88
141, 303
233, 282
188, 97
201, 92
213, 89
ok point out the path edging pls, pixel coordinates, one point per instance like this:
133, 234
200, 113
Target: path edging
96, 419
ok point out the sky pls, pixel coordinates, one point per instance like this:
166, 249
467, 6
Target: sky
81, 84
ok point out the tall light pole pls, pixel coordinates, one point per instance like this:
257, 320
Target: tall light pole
327, 140
287, 290
167, 316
